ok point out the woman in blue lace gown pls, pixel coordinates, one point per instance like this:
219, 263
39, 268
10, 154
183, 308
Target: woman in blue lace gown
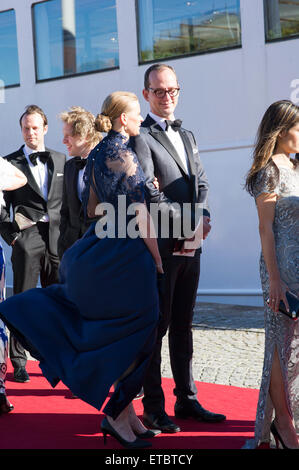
273, 180
97, 327
10, 178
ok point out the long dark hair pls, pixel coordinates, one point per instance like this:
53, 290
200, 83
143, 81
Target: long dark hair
280, 117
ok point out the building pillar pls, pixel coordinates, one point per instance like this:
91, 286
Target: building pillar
69, 36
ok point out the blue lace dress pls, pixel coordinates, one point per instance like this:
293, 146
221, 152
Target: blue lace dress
98, 325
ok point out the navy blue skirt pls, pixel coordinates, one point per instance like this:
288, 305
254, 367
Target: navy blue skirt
101, 319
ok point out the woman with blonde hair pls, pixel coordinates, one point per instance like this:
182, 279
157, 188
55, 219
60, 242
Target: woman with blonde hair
10, 178
273, 180
99, 323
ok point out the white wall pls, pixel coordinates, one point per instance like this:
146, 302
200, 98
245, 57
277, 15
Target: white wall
223, 98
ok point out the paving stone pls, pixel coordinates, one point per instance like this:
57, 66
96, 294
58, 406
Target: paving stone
228, 345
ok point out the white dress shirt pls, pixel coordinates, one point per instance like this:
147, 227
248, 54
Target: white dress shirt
178, 144
80, 183
175, 139
40, 174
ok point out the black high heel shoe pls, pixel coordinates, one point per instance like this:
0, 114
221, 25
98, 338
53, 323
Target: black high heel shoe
106, 428
277, 436
5, 406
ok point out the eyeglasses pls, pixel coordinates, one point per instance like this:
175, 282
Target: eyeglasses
160, 92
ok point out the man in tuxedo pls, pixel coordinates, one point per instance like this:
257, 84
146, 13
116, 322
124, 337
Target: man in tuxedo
80, 136
168, 152
33, 230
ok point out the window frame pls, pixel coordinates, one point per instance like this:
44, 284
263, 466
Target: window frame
15, 85
270, 41
62, 77
180, 56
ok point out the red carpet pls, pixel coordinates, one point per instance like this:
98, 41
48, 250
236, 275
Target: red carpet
46, 418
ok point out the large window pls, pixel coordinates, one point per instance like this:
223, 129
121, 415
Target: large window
281, 19
9, 62
172, 28
74, 37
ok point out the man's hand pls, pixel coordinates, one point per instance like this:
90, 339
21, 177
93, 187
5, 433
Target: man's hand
206, 226
14, 241
156, 183
201, 234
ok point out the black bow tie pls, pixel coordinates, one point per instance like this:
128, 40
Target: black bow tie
174, 124
43, 156
80, 162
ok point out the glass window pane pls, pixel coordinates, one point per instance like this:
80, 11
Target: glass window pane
281, 19
172, 28
74, 37
9, 61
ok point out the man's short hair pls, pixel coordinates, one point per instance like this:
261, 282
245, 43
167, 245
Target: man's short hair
34, 109
152, 68
82, 123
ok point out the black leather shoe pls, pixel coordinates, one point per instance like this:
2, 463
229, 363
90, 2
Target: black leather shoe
20, 375
160, 421
5, 406
139, 395
148, 434
193, 409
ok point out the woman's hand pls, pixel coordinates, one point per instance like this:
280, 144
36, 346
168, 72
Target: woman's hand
277, 293
159, 266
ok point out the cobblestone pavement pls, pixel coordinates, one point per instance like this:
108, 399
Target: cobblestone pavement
228, 344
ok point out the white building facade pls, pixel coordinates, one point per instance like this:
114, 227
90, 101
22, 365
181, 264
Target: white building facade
229, 70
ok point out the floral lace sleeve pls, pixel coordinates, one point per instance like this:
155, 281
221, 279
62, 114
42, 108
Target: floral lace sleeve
266, 182
124, 176
113, 170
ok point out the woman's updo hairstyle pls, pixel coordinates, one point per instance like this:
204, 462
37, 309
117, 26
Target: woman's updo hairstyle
114, 105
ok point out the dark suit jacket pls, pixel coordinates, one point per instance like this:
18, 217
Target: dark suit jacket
159, 159
72, 224
29, 200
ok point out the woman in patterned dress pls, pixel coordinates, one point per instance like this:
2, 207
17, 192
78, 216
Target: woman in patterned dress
273, 180
10, 178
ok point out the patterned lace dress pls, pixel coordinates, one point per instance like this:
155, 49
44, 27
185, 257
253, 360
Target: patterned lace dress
280, 331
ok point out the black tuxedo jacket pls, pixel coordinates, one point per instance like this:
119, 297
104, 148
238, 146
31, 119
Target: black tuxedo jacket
73, 224
29, 200
159, 158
